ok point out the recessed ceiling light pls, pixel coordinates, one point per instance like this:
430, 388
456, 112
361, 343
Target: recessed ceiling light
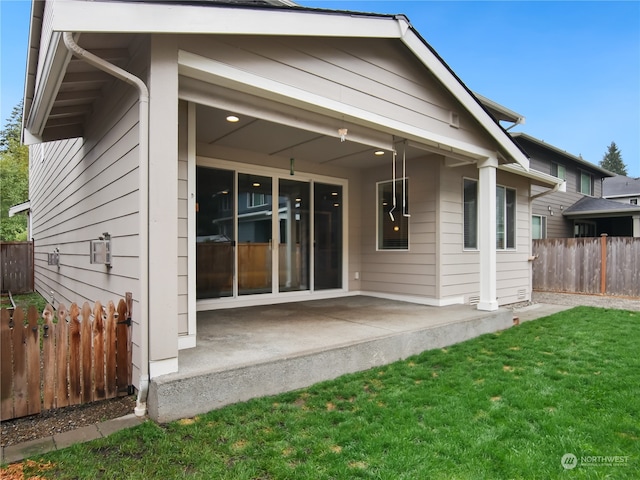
232, 119
256, 184
335, 194
379, 152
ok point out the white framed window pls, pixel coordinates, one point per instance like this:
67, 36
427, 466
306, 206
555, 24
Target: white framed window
559, 170
538, 227
586, 183
470, 213
393, 214
505, 216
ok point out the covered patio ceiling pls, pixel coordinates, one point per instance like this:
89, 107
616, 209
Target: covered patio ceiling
82, 86
263, 136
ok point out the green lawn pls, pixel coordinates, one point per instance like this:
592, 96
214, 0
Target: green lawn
504, 405
25, 300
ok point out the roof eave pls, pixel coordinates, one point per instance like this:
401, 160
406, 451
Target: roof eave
136, 17
539, 178
603, 213
543, 144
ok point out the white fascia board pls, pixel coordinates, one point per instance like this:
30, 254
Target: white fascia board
21, 207
53, 69
211, 71
624, 195
623, 212
442, 73
135, 17
540, 177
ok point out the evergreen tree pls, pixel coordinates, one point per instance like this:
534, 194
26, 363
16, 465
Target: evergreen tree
14, 178
612, 160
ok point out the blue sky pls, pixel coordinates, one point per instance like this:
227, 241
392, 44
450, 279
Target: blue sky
571, 68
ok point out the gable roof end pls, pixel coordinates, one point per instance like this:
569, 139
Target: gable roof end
237, 18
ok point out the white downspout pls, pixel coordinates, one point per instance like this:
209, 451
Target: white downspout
143, 171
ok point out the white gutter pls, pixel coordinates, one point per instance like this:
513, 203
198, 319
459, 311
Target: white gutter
557, 184
553, 190
143, 172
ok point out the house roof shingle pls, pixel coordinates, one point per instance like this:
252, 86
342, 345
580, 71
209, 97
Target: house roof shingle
620, 186
600, 206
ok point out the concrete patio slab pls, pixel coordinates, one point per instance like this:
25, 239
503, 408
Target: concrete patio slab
251, 352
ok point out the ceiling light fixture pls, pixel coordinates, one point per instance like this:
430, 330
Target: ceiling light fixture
379, 152
233, 119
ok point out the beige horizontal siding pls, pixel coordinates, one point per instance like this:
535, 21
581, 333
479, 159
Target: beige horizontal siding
378, 75
81, 188
411, 272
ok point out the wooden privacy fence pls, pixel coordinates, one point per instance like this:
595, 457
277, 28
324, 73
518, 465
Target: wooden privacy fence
599, 266
16, 267
83, 356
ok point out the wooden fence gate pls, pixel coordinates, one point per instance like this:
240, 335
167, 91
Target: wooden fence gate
16, 267
81, 356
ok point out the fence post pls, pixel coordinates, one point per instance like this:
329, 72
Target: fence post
603, 263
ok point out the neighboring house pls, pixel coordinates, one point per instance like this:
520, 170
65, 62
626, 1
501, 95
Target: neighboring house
173, 126
622, 189
579, 210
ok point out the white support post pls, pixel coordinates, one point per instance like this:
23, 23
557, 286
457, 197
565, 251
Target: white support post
487, 233
636, 226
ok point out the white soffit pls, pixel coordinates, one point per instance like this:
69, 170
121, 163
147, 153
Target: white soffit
213, 72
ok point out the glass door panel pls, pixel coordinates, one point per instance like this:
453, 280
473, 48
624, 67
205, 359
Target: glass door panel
294, 238
255, 217
327, 209
214, 232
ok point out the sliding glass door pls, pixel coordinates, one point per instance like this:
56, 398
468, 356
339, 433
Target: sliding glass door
255, 234
327, 236
215, 233
259, 234
294, 235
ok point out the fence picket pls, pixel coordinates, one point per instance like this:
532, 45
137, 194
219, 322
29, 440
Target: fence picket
19, 364
48, 360
83, 356
85, 346
32, 346
110, 351
62, 358
6, 372
75, 385
98, 352
122, 372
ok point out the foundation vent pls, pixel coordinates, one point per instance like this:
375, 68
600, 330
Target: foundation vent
522, 294
474, 299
